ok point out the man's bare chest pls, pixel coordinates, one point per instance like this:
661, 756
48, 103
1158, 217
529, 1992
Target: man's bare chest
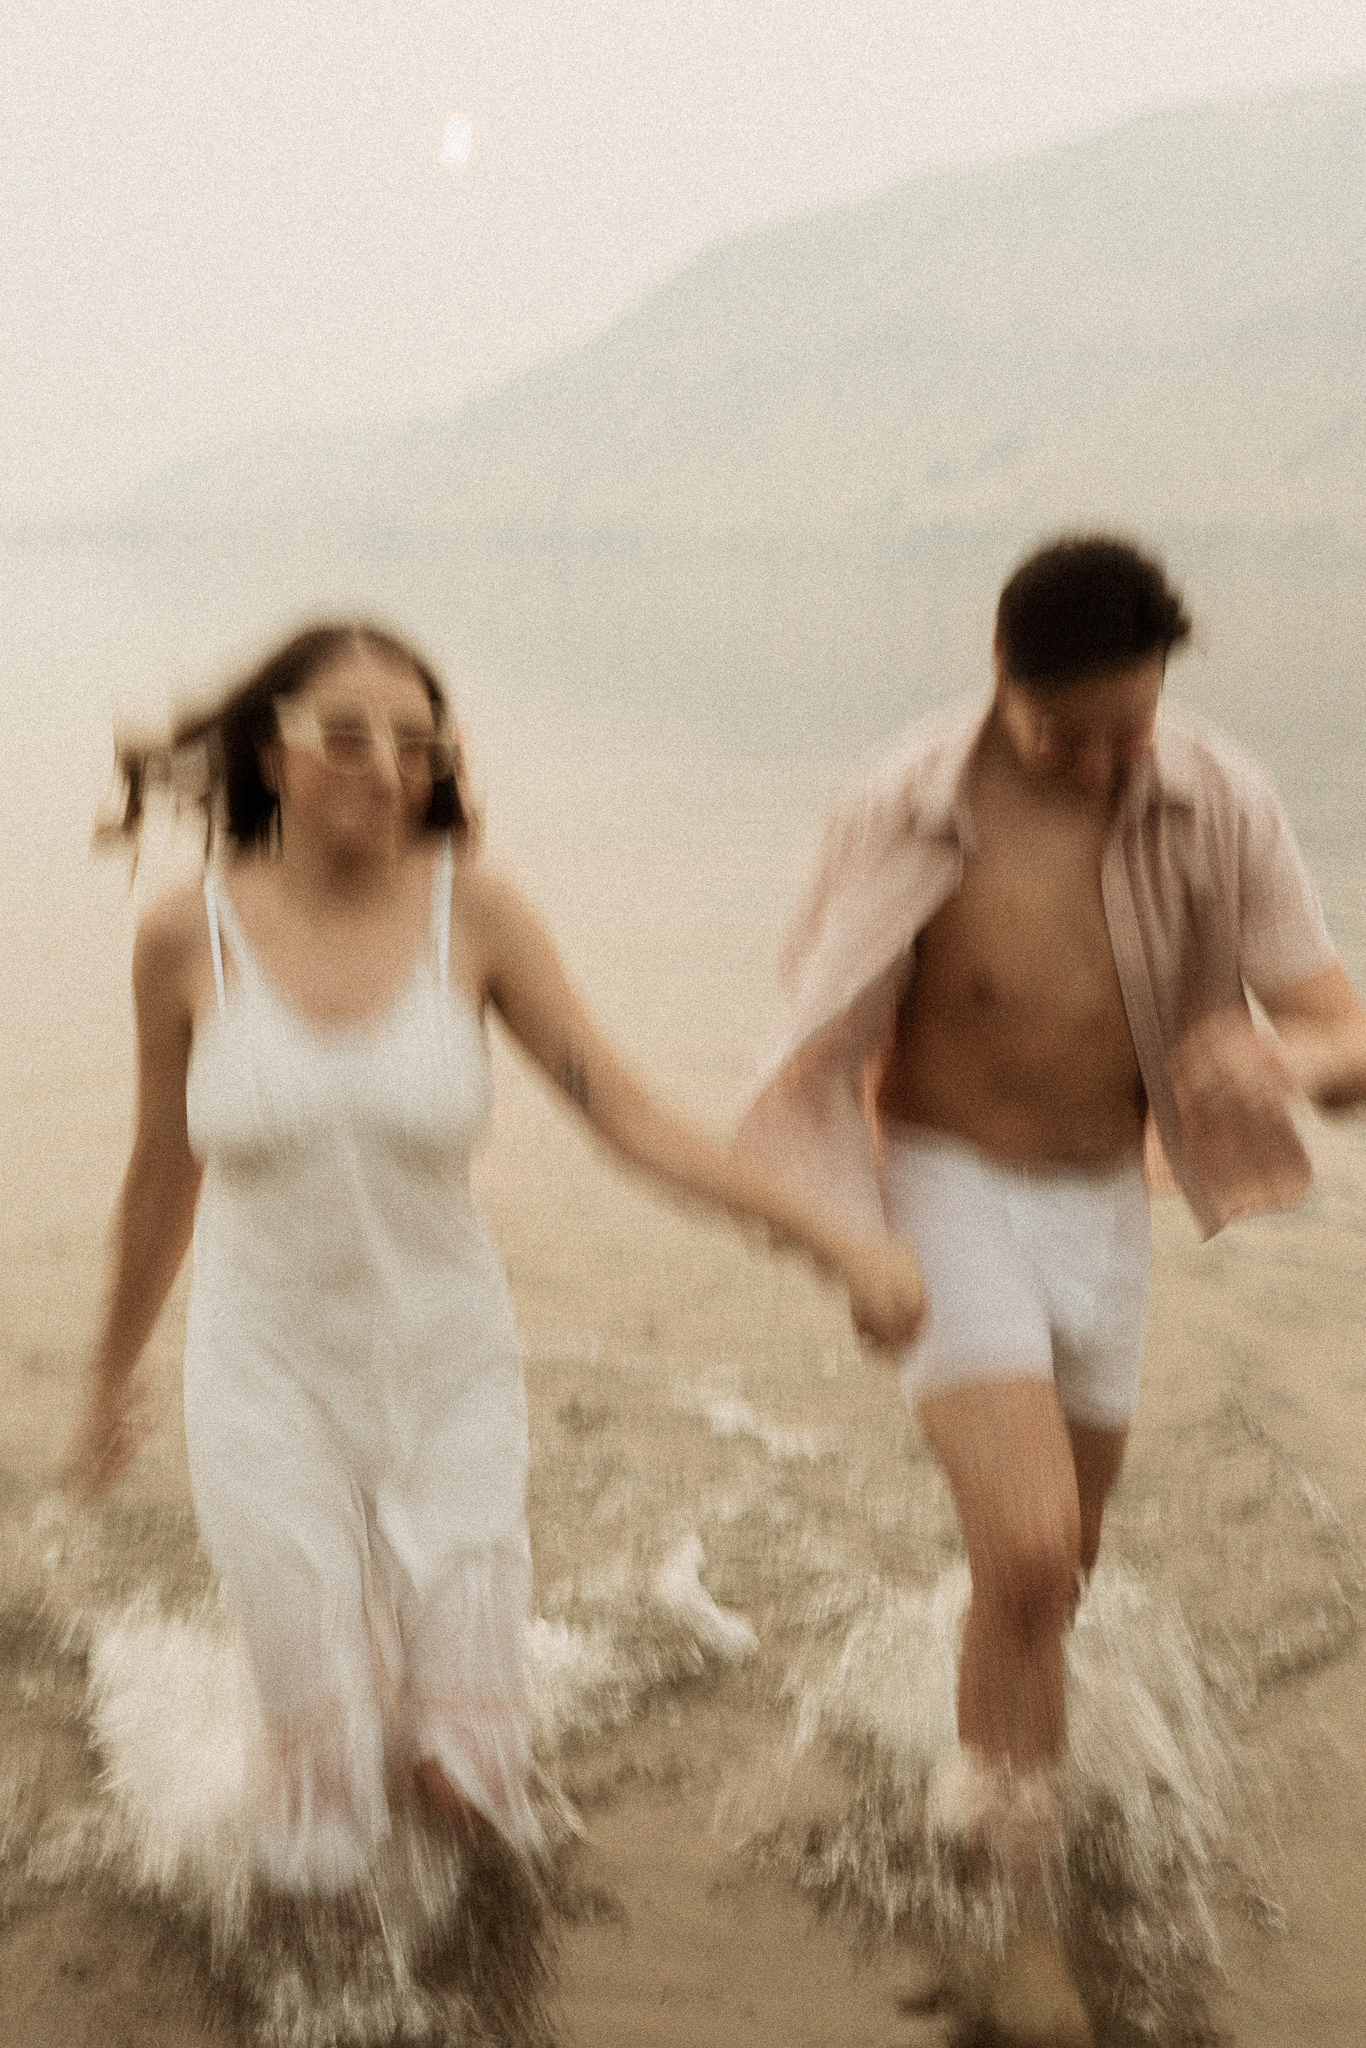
1025, 937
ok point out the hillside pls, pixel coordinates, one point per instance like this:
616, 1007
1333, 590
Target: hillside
1166, 323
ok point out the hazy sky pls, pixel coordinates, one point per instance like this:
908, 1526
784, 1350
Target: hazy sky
221, 218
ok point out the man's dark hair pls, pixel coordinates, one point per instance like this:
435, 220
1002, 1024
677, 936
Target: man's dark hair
1084, 603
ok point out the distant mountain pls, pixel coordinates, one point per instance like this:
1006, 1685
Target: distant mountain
1166, 324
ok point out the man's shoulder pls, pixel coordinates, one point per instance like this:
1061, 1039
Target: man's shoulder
1220, 810
919, 768
1201, 765
897, 807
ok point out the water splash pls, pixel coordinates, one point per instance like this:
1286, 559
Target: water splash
448, 1939
1237, 1577
731, 1417
1133, 1838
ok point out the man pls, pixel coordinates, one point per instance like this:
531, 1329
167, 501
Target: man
1027, 945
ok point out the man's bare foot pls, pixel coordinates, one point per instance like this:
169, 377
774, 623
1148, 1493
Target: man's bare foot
1025, 1997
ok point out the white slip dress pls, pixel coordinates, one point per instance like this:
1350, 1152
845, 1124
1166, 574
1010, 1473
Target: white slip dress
355, 1415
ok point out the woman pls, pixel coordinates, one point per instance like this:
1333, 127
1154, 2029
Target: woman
312, 1074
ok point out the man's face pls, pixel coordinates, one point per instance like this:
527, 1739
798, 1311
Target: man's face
1085, 737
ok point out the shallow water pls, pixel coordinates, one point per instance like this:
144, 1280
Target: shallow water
727, 1500
834, 1590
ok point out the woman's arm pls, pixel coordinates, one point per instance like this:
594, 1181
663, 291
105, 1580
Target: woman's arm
524, 979
154, 1215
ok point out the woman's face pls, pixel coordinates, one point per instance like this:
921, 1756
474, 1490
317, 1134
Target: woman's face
352, 762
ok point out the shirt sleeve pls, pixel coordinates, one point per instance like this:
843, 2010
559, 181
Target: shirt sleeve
1282, 934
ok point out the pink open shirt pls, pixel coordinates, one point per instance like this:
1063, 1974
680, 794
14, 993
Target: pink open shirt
1206, 896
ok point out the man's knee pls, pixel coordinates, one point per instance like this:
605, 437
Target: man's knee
1031, 1577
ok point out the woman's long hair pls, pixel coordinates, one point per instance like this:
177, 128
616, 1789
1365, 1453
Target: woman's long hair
213, 759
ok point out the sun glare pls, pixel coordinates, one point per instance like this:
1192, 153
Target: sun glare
457, 140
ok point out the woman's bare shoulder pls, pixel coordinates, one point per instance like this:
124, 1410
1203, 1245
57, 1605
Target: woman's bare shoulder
490, 920
172, 937
484, 893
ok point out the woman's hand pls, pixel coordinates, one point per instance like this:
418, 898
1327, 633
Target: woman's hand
109, 1432
886, 1291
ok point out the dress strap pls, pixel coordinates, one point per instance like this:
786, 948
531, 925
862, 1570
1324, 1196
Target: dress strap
224, 923
215, 937
443, 882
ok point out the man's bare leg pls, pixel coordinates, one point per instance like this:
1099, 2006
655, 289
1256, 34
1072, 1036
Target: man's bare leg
1097, 1455
1008, 1455
1030, 1488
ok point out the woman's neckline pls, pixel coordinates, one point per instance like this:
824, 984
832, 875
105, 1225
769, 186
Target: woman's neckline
340, 1032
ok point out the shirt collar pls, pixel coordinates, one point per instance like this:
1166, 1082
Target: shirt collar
940, 806
1166, 775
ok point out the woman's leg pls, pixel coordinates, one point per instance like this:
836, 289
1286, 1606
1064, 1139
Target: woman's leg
285, 1529
466, 1720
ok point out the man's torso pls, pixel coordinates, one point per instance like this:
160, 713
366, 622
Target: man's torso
1012, 1031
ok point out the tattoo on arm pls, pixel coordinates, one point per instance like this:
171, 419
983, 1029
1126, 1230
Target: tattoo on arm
573, 1076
